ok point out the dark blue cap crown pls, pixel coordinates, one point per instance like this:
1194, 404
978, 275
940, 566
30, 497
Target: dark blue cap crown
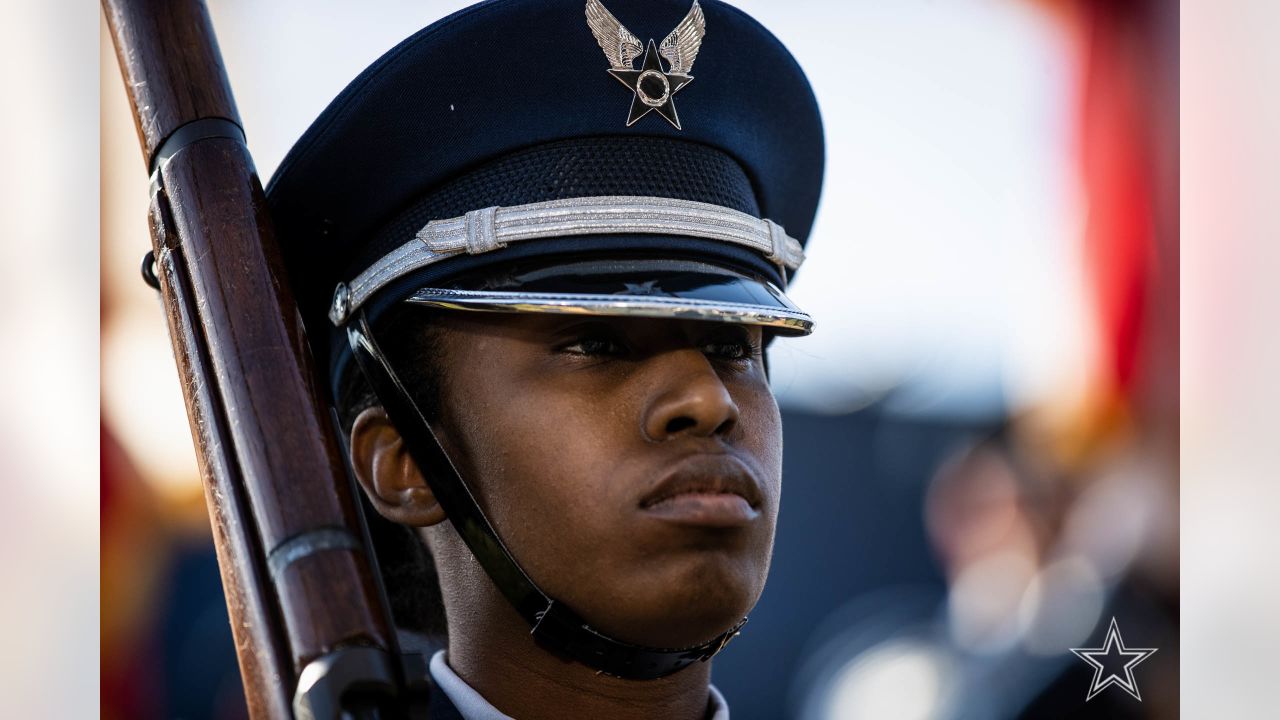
510, 102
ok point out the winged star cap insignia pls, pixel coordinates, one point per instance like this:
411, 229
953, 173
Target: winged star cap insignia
653, 87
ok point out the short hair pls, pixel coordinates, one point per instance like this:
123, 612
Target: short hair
410, 339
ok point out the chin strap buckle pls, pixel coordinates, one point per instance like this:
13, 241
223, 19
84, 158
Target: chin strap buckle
715, 646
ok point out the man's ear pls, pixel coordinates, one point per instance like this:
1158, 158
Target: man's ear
389, 476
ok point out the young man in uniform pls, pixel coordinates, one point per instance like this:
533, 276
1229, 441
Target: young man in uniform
543, 295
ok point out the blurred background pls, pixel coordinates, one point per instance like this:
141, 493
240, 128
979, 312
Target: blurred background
982, 437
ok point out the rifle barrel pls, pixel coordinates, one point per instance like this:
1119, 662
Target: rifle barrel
298, 578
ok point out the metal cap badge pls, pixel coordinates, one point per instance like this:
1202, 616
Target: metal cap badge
654, 89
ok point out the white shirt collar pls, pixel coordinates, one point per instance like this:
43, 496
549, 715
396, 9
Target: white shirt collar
472, 706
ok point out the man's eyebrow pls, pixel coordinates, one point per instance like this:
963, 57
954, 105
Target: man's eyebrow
737, 329
554, 328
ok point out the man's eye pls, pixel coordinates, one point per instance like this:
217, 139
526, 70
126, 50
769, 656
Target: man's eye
730, 350
594, 346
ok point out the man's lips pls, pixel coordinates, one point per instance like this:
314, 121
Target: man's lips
715, 490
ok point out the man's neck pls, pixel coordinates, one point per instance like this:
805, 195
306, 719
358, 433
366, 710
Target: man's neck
499, 659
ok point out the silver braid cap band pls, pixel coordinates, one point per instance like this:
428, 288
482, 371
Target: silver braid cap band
481, 231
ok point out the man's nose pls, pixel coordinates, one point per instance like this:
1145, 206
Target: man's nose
690, 398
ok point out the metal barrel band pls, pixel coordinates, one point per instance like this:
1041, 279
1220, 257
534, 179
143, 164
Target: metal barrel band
307, 544
189, 134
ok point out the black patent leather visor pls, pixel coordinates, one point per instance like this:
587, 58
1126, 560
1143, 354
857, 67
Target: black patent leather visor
652, 288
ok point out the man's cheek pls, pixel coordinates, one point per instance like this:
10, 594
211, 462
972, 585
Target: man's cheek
762, 425
553, 458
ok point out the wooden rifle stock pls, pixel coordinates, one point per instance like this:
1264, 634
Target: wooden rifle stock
310, 623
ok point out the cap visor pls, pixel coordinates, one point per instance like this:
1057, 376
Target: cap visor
653, 288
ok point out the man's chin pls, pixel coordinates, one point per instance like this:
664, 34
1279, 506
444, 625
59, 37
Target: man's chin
675, 617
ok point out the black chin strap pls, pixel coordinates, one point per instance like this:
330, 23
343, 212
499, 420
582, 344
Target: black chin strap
555, 626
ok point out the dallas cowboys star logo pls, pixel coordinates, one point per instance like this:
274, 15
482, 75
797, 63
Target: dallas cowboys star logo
1120, 659
653, 88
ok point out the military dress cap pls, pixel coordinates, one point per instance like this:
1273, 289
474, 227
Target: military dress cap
659, 158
